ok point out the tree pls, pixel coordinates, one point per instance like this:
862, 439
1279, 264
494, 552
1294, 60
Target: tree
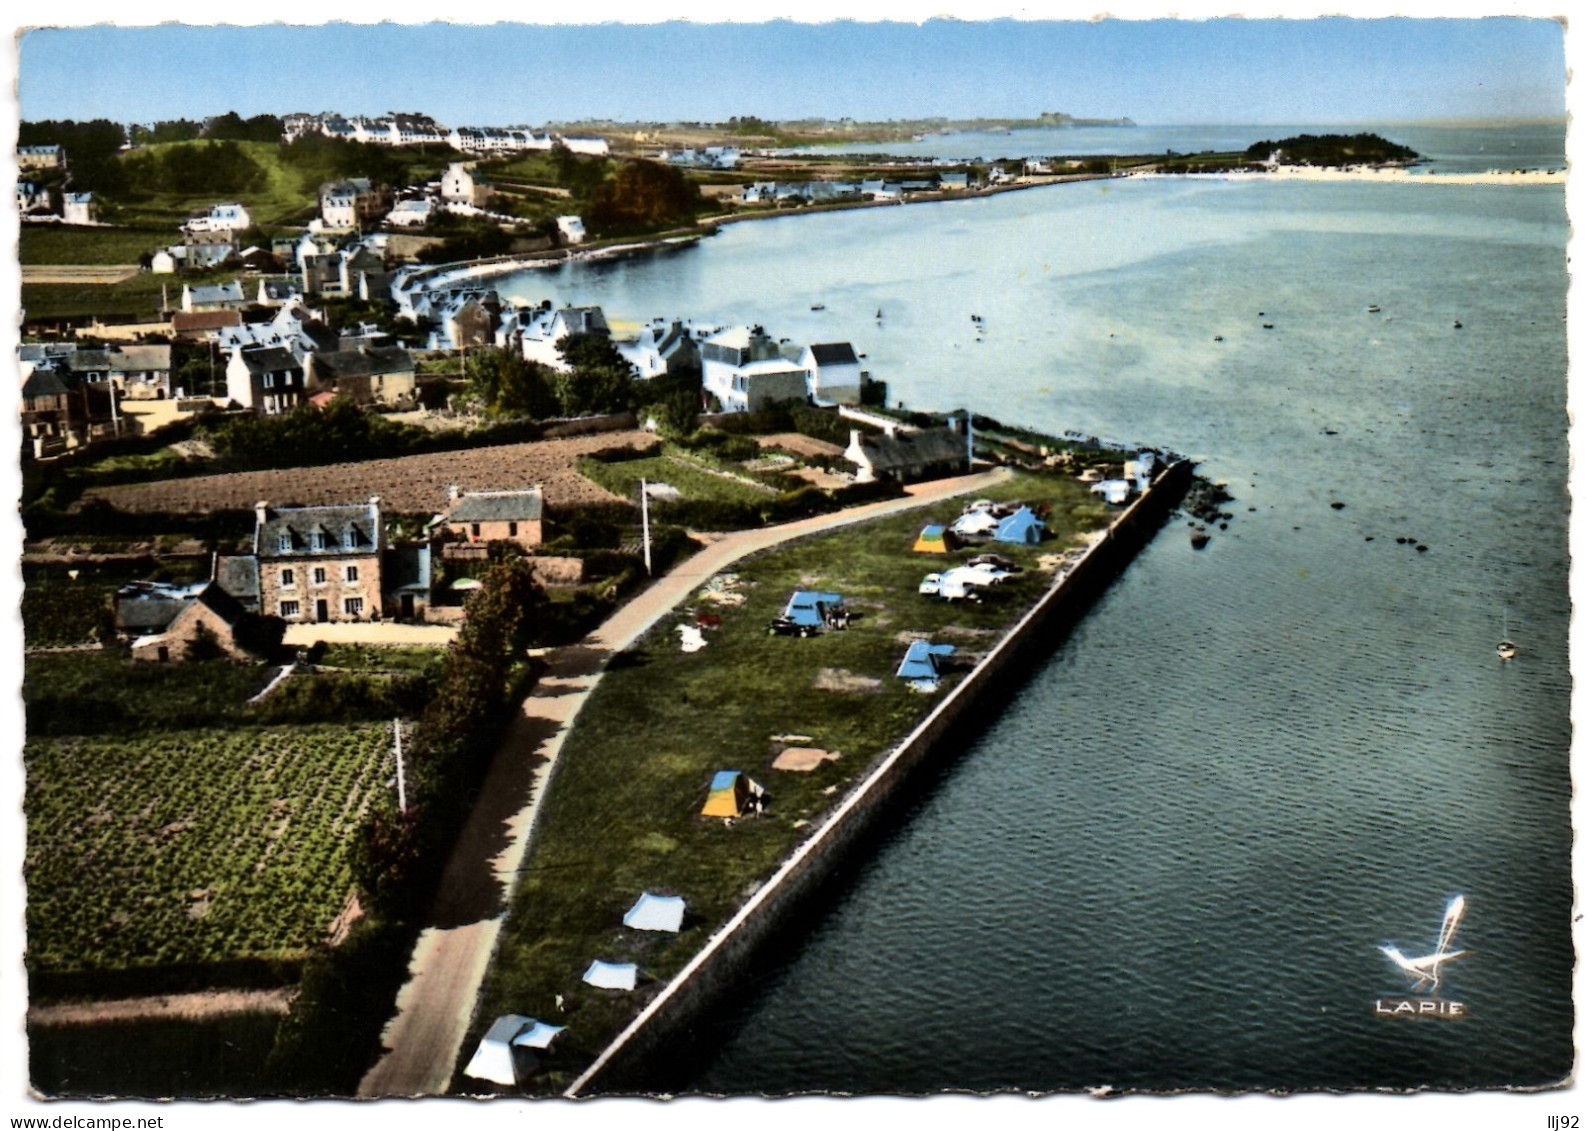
599, 379
644, 196
507, 385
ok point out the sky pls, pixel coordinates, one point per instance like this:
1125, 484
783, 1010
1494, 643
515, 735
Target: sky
1315, 71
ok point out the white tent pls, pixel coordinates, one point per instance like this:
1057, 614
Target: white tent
974, 523
538, 1036
493, 1060
656, 913
612, 975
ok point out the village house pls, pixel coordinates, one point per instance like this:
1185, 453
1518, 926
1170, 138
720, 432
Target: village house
365, 374
194, 254
219, 218
141, 372
40, 157
293, 327
661, 348
218, 296
476, 518
266, 380
354, 203
79, 208
464, 319
198, 325
835, 373
167, 623
61, 410
321, 563
544, 327
410, 214
903, 455
359, 271
458, 186
31, 197
571, 229
746, 371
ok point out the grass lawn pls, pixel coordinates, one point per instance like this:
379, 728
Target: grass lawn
192, 848
691, 478
622, 813
284, 198
381, 658
223, 1056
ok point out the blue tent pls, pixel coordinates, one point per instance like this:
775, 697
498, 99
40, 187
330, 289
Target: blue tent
811, 609
921, 660
1023, 526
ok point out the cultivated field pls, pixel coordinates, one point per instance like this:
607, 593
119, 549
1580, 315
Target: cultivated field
406, 484
193, 847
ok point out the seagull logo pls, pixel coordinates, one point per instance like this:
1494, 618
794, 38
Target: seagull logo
1425, 971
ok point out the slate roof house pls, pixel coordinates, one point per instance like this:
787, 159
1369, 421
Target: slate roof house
319, 563
353, 203
661, 348
901, 455
835, 375
60, 408
359, 271
142, 372
546, 327
746, 371
477, 517
165, 623
268, 380
220, 296
364, 374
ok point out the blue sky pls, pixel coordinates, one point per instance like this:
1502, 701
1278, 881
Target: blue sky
1157, 71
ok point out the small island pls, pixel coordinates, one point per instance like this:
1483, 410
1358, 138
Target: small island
1334, 150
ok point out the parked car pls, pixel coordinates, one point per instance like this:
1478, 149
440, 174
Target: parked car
948, 586
784, 626
993, 561
978, 575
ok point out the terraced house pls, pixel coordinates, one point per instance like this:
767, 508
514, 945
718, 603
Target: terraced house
318, 564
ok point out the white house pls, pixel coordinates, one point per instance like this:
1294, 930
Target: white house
660, 348
745, 370
351, 203
571, 228
219, 218
267, 380
458, 185
410, 214
546, 327
79, 208
835, 373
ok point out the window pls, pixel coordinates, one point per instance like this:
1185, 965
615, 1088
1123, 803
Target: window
287, 580
347, 538
319, 575
320, 540
474, 530
353, 606
513, 530
284, 542
351, 573
270, 380
289, 609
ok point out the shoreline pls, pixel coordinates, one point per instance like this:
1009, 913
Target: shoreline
1372, 175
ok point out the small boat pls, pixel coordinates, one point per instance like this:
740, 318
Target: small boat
1457, 325
1268, 325
1506, 649
1200, 539
1373, 308
879, 314
817, 306
1219, 337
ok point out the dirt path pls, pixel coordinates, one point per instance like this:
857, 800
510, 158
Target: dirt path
164, 1007
448, 966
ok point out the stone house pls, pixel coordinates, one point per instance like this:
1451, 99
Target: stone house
904, 455
319, 563
746, 371
365, 374
268, 380
165, 623
481, 517
661, 348
353, 203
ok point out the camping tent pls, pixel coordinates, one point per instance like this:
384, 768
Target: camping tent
656, 913
934, 540
493, 1060
811, 609
975, 524
538, 1036
921, 660
612, 975
730, 793
1023, 526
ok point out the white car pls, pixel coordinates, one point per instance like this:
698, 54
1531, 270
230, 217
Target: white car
946, 585
984, 573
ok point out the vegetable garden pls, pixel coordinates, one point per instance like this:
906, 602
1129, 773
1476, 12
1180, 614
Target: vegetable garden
192, 849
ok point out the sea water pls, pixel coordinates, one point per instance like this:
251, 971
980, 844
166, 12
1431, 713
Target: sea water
1171, 860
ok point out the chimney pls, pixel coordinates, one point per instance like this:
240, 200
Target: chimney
452, 493
259, 511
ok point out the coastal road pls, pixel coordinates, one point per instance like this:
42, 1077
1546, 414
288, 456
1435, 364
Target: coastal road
445, 973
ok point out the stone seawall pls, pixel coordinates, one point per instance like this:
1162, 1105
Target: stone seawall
715, 970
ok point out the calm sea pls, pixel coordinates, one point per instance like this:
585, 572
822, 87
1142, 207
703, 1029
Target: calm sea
1171, 860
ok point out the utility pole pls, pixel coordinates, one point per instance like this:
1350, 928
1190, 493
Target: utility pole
645, 525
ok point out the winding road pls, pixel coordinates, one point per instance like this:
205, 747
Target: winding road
436, 1005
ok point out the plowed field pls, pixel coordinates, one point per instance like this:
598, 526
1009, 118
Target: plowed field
407, 484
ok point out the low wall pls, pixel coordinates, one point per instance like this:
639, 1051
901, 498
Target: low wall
716, 969
588, 425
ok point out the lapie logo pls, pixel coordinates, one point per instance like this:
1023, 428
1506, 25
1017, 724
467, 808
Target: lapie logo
1425, 973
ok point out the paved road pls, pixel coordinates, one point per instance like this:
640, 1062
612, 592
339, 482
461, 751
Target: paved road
449, 962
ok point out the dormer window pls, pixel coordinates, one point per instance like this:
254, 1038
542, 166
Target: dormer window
347, 539
283, 542
321, 542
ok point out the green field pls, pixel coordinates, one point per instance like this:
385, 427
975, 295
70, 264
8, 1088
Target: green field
55, 243
284, 199
194, 847
622, 813
690, 477
139, 297
224, 1056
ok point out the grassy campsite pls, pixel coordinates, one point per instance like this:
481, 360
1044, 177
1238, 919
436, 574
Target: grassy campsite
623, 815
